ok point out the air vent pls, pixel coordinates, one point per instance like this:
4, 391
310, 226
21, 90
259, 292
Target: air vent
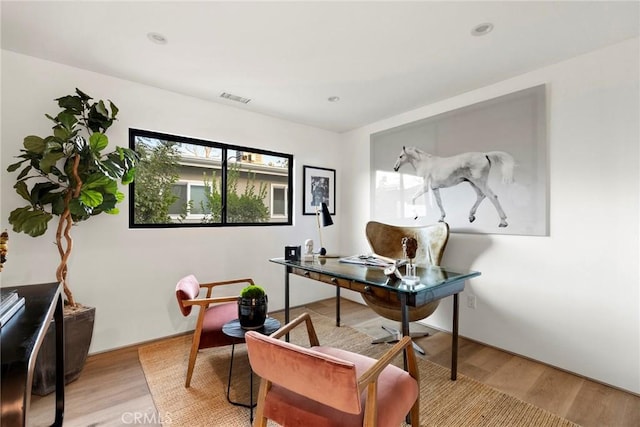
235, 97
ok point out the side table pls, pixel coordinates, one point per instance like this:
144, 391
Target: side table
233, 329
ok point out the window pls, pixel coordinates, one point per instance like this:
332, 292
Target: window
278, 201
187, 182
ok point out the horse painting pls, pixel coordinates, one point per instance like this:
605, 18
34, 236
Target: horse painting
443, 172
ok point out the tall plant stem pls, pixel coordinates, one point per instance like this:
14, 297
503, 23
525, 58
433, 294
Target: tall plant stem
64, 229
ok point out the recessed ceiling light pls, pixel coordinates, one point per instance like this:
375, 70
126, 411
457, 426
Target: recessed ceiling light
482, 29
157, 38
333, 99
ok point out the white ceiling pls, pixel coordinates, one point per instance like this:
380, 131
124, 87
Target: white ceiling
380, 58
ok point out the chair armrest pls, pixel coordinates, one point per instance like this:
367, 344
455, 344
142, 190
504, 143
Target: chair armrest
211, 285
226, 282
205, 302
371, 374
311, 332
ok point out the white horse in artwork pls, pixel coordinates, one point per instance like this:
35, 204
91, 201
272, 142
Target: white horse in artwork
472, 167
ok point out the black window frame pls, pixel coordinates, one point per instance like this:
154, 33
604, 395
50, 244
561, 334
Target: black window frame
133, 133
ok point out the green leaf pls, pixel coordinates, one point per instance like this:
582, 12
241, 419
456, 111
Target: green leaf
61, 133
96, 180
91, 198
30, 221
83, 95
98, 141
24, 172
111, 169
22, 190
114, 211
102, 109
40, 190
57, 205
49, 161
79, 210
119, 197
128, 177
67, 119
14, 167
35, 144
114, 109
70, 102
110, 188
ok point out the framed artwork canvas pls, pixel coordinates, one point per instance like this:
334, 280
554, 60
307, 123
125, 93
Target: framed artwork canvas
319, 186
480, 168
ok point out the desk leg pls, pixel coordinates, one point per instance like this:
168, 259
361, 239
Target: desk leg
404, 313
287, 270
454, 340
337, 306
58, 317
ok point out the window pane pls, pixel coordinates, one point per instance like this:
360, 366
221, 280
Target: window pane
279, 201
180, 190
179, 183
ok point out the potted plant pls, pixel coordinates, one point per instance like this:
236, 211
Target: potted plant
69, 175
252, 307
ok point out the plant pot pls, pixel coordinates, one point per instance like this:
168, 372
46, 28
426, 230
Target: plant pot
78, 331
252, 312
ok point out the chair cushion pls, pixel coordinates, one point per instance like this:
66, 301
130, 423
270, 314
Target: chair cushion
397, 391
214, 319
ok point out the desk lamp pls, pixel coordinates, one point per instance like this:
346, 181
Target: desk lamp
326, 221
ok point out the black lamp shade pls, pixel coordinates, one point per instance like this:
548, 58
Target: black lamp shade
326, 216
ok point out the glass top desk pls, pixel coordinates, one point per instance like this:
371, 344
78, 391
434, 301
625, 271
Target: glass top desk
435, 283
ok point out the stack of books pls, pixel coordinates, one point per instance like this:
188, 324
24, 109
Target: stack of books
10, 303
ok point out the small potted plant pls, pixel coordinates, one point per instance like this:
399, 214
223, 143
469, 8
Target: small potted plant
252, 307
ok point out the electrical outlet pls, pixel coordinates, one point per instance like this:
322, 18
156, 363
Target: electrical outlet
471, 301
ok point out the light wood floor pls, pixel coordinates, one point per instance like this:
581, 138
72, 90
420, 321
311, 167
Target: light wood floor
112, 390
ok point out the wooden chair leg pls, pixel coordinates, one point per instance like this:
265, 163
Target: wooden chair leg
415, 413
194, 348
192, 362
259, 419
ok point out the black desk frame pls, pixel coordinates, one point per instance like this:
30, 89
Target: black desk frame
333, 273
21, 339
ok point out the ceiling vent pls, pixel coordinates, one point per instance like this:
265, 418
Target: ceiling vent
234, 97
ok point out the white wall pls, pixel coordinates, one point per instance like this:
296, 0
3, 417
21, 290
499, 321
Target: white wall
570, 299
130, 275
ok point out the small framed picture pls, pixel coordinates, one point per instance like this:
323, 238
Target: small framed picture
319, 186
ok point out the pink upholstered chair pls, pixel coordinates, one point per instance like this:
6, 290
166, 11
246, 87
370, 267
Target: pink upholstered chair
326, 386
212, 315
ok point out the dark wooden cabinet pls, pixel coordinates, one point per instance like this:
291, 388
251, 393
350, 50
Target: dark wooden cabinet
20, 340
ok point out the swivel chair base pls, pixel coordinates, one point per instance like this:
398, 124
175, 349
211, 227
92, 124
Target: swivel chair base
395, 336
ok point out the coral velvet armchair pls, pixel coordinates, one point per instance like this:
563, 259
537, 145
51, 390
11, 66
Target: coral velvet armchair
326, 386
213, 314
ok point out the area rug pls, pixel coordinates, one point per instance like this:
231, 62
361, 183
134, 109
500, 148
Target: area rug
460, 403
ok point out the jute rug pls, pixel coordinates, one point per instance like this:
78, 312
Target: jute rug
464, 402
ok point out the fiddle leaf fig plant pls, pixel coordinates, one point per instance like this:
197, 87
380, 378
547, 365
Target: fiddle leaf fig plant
69, 175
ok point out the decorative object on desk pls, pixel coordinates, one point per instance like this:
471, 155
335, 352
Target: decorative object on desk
308, 250
252, 307
74, 179
292, 253
324, 220
409, 250
4, 248
319, 186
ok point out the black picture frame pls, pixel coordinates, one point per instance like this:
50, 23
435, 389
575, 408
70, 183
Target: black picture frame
319, 185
